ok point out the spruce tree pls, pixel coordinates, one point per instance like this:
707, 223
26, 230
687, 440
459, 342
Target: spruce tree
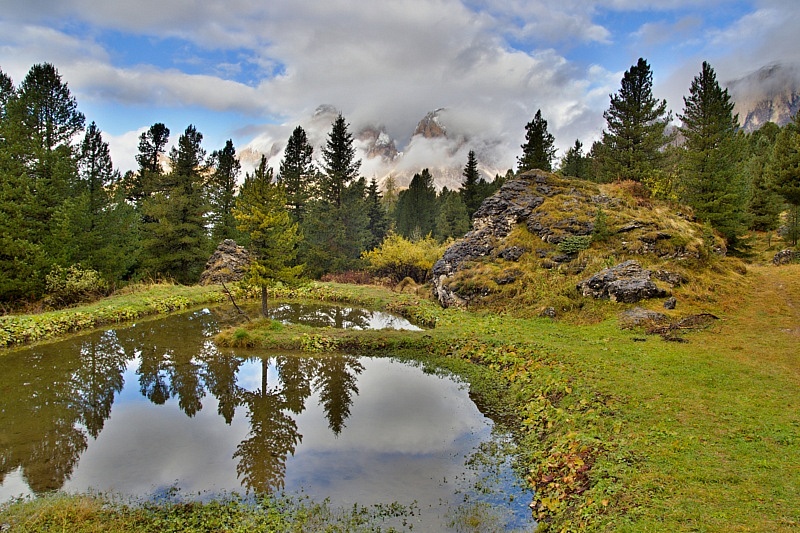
339, 165
574, 163
784, 172
378, 217
222, 192
175, 240
765, 205
149, 178
630, 148
470, 195
710, 181
272, 236
539, 148
297, 172
452, 220
416, 207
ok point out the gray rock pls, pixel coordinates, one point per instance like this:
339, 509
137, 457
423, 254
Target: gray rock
227, 264
637, 317
785, 257
670, 303
624, 283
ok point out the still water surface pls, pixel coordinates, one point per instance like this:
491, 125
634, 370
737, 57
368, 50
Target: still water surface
145, 409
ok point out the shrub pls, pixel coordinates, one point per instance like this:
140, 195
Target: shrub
353, 277
572, 244
69, 286
398, 258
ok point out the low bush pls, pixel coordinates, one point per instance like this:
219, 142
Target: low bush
73, 285
398, 258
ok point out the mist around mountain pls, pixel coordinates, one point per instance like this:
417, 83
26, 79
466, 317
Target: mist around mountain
442, 139
771, 94
439, 142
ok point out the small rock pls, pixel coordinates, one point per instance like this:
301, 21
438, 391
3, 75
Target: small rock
785, 257
670, 303
549, 312
633, 318
626, 282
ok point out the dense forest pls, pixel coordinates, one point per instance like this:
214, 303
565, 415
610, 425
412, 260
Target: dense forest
68, 216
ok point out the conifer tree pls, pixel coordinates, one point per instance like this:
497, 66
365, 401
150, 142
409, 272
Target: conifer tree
416, 207
470, 195
378, 218
152, 147
630, 148
175, 240
711, 182
40, 120
272, 236
340, 167
297, 172
574, 163
452, 220
222, 192
765, 205
539, 148
784, 173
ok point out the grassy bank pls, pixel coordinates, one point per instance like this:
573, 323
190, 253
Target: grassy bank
132, 303
619, 430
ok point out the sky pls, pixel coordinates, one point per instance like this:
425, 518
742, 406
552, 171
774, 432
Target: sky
252, 70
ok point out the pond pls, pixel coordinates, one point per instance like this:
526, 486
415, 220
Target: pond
156, 407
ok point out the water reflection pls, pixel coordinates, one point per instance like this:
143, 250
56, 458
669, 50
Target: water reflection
146, 407
335, 316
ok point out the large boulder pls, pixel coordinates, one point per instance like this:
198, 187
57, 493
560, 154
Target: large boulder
228, 263
626, 282
785, 257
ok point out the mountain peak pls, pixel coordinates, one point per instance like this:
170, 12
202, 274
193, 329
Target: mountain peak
430, 127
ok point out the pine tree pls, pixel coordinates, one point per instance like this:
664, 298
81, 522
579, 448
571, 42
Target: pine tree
574, 163
297, 172
636, 121
152, 147
40, 120
452, 220
336, 226
272, 236
765, 205
539, 148
222, 192
470, 195
710, 180
784, 172
175, 240
378, 218
339, 164
416, 207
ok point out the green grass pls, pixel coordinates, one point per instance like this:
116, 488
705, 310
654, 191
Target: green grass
615, 434
130, 304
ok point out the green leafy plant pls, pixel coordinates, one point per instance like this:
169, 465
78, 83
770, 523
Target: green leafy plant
69, 286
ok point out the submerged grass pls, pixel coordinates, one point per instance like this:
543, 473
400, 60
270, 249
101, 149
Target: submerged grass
615, 433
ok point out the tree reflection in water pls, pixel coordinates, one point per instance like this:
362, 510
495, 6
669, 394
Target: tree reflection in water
55, 397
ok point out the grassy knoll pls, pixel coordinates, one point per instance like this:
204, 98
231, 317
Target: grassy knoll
619, 431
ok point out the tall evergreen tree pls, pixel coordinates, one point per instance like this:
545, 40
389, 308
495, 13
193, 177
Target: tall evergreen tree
336, 226
630, 148
39, 123
574, 163
261, 213
784, 173
152, 147
175, 240
452, 220
297, 172
539, 148
416, 207
765, 205
711, 182
222, 192
378, 217
470, 195
340, 167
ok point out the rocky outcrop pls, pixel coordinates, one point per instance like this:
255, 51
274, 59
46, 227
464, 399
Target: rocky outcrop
785, 257
228, 263
627, 282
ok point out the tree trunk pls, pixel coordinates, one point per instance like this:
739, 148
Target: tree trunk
264, 306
